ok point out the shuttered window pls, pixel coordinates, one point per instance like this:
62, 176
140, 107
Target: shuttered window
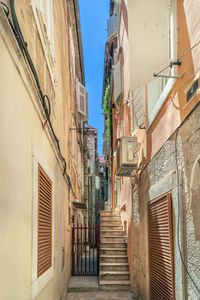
117, 76
137, 109
161, 262
44, 222
81, 99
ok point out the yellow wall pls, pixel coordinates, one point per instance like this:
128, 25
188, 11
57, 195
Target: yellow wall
21, 127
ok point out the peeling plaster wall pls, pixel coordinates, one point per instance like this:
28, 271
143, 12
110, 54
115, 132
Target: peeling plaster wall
158, 178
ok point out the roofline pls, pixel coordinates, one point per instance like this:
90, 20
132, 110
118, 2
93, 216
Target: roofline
80, 45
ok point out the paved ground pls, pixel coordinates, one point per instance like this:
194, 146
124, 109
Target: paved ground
99, 296
87, 288
83, 284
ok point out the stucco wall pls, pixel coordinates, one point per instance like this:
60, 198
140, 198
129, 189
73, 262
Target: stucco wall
21, 128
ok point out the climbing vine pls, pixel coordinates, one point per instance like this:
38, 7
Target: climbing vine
107, 110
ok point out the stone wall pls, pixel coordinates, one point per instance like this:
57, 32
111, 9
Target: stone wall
158, 178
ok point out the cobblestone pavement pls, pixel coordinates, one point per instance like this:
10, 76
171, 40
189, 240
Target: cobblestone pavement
99, 295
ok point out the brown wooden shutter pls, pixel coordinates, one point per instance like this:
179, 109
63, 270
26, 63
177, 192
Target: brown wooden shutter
138, 108
161, 259
44, 222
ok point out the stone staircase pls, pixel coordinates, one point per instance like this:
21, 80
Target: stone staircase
114, 269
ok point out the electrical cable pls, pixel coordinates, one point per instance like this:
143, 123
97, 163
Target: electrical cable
178, 221
5, 6
23, 46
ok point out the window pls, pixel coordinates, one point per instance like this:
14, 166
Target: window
72, 55
43, 13
137, 109
117, 77
43, 224
192, 89
81, 100
158, 90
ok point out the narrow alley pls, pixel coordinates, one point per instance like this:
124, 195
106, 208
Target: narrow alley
100, 150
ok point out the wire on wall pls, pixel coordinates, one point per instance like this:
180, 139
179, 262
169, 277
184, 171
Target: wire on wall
44, 99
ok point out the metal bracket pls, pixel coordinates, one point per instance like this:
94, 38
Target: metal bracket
172, 63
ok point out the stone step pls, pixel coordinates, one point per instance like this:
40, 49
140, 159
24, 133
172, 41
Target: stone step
114, 285
111, 227
113, 239
114, 267
113, 258
114, 275
110, 218
113, 251
112, 232
113, 245
109, 213
111, 223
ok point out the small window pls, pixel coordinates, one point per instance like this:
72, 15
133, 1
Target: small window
43, 13
117, 76
192, 90
44, 222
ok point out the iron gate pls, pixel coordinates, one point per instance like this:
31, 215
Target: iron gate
85, 250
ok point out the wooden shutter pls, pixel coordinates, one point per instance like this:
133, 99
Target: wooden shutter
138, 108
44, 222
161, 260
117, 76
81, 99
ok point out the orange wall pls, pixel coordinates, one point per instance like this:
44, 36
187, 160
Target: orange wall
175, 108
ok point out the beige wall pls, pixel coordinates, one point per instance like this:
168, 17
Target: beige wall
21, 118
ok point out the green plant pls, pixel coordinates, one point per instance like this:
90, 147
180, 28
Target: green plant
107, 110
106, 106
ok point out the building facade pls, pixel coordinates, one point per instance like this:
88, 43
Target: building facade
91, 136
42, 162
151, 72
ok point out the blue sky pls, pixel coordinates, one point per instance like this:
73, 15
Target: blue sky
94, 15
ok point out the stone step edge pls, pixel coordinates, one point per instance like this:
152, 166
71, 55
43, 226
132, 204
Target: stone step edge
102, 217
113, 264
114, 236
82, 289
110, 217
104, 256
111, 225
117, 282
112, 249
113, 243
114, 273
111, 230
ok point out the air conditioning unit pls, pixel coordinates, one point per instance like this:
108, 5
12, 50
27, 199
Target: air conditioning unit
127, 156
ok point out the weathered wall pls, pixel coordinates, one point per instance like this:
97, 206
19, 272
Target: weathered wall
21, 128
158, 178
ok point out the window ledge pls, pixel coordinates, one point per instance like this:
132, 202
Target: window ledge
161, 100
41, 282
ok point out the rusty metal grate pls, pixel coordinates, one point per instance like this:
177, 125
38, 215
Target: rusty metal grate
85, 250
